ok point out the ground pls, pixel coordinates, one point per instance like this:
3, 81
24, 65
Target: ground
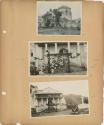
65, 112
74, 70
71, 73
58, 31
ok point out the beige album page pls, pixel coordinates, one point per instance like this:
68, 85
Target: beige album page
51, 61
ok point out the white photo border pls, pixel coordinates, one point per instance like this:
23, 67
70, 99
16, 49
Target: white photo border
59, 116
36, 22
54, 76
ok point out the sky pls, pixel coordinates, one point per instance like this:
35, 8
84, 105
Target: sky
79, 87
44, 6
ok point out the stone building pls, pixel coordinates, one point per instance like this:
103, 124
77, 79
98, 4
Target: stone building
66, 12
66, 18
49, 17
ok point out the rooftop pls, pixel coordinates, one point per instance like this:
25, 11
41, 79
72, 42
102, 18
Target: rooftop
48, 90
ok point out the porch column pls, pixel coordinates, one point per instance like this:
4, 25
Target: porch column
82, 100
53, 100
58, 100
36, 63
36, 102
55, 47
84, 55
35, 50
46, 46
68, 47
68, 70
42, 101
78, 47
47, 100
79, 52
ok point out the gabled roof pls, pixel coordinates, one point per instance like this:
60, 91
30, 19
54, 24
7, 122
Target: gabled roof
48, 90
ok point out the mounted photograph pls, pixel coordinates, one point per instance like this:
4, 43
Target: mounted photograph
59, 98
59, 17
57, 58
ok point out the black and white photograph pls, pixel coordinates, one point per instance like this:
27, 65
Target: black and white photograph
57, 58
59, 98
59, 17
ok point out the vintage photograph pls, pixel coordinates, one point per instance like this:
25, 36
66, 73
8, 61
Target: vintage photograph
57, 58
59, 98
59, 17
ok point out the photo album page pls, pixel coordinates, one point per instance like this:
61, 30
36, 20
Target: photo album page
51, 62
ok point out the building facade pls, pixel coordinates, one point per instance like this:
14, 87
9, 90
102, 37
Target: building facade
46, 100
61, 16
66, 18
58, 56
